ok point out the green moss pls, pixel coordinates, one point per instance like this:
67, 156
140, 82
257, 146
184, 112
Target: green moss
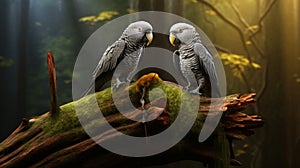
177, 99
104, 96
67, 118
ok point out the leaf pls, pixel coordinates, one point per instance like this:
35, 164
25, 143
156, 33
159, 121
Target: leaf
87, 19
102, 16
252, 28
255, 65
191, 1
6, 62
240, 152
248, 42
210, 12
237, 63
67, 81
38, 24
245, 145
129, 10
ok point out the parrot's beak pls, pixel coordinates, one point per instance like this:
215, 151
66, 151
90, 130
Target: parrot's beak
172, 39
149, 38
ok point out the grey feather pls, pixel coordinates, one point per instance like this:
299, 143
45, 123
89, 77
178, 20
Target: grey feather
206, 60
122, 57
176, 61
110, 58
107, 62
195, 60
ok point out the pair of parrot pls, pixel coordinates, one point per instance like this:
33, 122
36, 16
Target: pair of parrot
192, 59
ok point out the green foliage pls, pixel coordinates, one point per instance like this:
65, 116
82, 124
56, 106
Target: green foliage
210, 12
238, 63
56, 28
63, 49
241, 149
6, 62
102, 16
129, 10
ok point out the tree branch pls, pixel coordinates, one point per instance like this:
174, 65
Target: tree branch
36, 147
245, 23
262, 17
231, 23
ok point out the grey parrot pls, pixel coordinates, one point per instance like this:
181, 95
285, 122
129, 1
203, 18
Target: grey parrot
194, 60
128, 49
196, 63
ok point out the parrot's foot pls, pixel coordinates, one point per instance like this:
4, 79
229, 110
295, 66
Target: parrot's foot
118, 84
186, 88
196, 91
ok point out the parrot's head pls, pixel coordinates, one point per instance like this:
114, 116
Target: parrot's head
182, 33
139, 32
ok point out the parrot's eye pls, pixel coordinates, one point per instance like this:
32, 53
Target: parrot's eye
180, 30
139, 29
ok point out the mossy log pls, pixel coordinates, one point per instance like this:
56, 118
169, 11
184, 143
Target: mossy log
60, 141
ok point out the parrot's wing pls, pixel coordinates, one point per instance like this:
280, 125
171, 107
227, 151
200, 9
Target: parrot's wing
110, 58
206, 60
108, 62
176, 62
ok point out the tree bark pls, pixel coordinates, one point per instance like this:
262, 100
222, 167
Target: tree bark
39, 142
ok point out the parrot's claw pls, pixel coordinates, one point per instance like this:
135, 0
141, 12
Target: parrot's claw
118, 84
196, 91
128, 81
186, 87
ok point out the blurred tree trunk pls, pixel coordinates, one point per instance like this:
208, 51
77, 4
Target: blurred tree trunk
282, 33
73, 19
23, 55
290, 41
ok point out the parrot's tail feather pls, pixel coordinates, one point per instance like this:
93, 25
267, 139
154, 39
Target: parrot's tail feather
88, 90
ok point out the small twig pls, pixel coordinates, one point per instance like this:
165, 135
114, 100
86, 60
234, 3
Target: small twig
240, 16
210, 22
222, 49
262, 17
246, 24
232, 24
